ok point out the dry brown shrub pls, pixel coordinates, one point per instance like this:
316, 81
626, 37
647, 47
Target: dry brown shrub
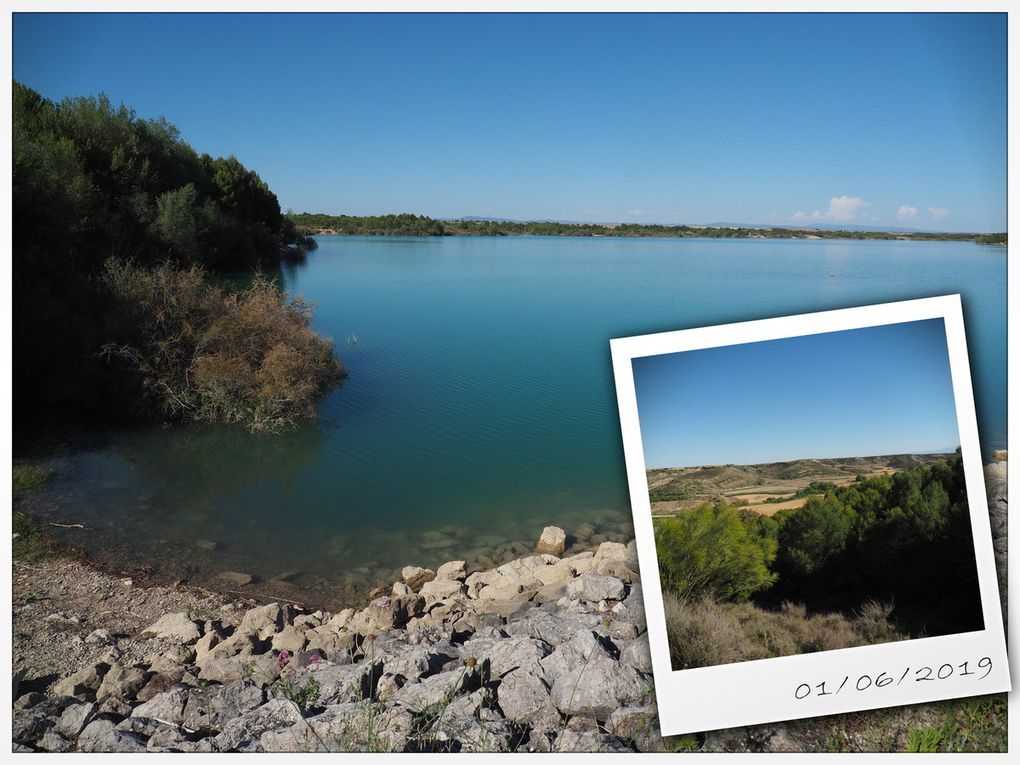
704, 633
203, 353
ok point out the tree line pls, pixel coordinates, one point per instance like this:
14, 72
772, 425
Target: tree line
407, 224
102, 199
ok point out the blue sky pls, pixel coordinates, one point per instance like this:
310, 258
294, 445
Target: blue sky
879, 120
856, 393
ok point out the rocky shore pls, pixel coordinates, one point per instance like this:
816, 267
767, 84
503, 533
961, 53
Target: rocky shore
545, 653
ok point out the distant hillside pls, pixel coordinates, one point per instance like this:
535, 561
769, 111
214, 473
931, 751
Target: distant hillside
692, 485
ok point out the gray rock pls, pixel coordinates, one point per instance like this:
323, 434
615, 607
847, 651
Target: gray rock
553, 541
550, 593
453, 570
122, 682
177, 626
29, 699
289, 639
523, 696
436, 690
588, 740
100, 637
592, 587
553, 628
576, 652
224, 669
83, 684
241, 733
74, 719
236, 699
388, 685
442, 589
341, 683
52, 741
469, 734
338, 647
415, 576
159, 734
264, 621
387, 613
468, 705
167, 707
30, 725
206, 643
101, 735
638, 655
515, 652
112, 705
599, 687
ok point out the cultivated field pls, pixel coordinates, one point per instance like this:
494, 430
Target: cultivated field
766, 488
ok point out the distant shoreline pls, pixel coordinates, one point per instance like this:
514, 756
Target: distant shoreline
423, 226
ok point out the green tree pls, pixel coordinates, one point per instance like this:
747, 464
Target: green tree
709, 552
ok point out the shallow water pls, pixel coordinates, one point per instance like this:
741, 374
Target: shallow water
480, 405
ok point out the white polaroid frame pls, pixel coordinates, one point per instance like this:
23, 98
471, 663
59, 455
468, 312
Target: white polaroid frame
828, 682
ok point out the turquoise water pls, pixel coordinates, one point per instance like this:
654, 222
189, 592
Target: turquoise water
480, 405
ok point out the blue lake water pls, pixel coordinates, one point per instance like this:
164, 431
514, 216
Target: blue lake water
480, 405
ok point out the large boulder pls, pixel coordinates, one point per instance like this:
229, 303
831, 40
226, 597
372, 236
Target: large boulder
592, 588
122, 682
243, 733
101, 735
598, 687
83, 684
167, 707
553, 541
415, 576
454, 569
523, 696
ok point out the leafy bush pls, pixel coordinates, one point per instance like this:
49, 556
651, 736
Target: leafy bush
709, 552
200, 353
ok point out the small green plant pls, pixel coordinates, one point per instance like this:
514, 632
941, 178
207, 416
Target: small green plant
28, 478
923, 739
685, 743
31, 543
286, 684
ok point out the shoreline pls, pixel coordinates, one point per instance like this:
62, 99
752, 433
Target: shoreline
103, 664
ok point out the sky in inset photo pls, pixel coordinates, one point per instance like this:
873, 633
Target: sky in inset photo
854, 393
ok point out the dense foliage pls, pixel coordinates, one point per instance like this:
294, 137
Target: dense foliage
711, 552
903, 539
200, 353
94, 182
420, 225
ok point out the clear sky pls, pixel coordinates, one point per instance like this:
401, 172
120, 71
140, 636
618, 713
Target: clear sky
856, 393
879, 120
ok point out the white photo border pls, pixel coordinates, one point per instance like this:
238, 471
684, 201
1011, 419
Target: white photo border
752, 692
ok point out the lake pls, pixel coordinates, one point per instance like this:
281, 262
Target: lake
480, 404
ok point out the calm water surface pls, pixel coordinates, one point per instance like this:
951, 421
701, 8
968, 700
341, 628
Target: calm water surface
480, 405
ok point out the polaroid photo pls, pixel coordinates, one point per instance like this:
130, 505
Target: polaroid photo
810, 513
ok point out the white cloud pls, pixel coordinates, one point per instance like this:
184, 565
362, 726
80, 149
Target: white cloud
907, 213
938, 212
842, 208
